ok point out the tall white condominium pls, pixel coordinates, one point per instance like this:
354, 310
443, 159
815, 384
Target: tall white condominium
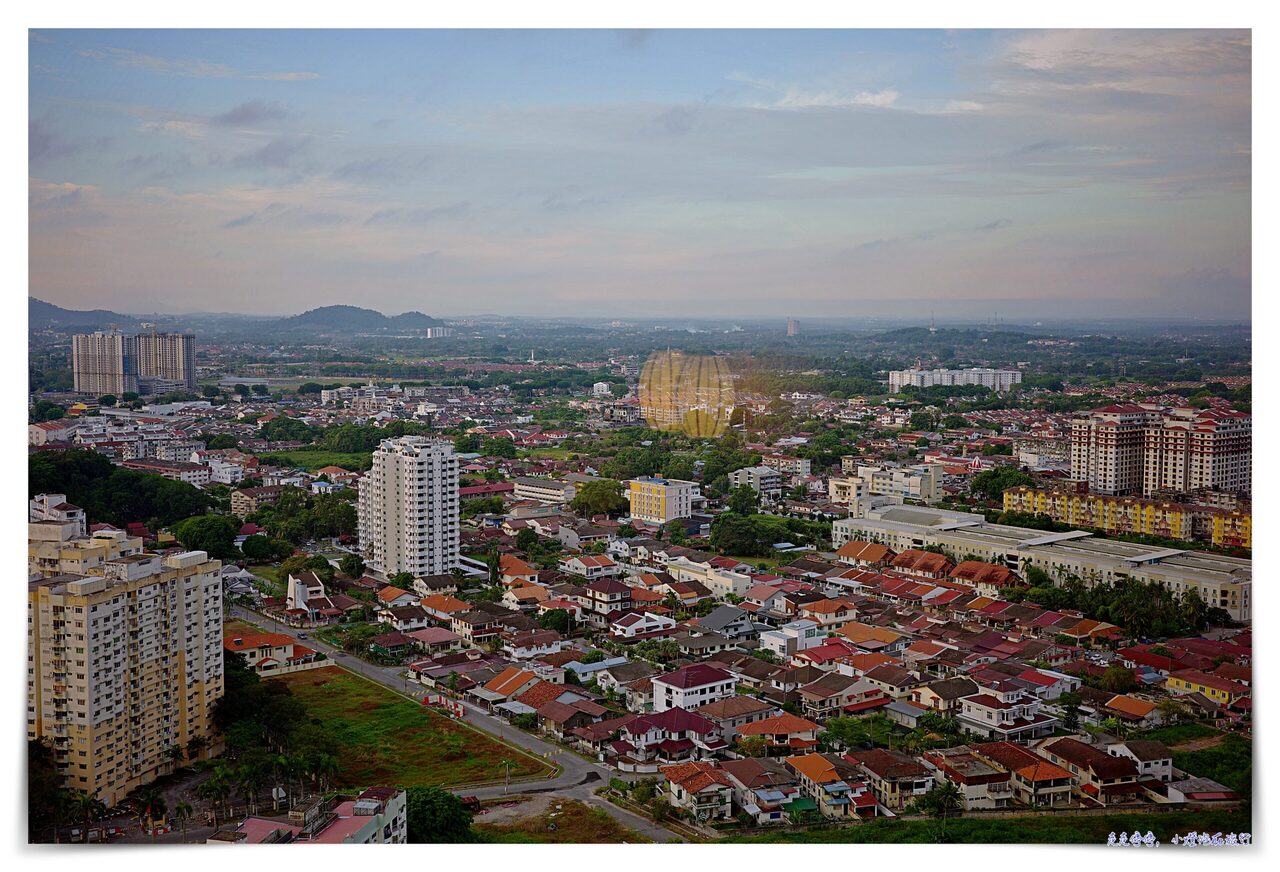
999, 380
103, 363
170, 357
409, 507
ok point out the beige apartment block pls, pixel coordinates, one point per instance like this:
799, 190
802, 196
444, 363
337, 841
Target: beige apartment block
123, 665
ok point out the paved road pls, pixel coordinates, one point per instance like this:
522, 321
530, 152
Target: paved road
578, 780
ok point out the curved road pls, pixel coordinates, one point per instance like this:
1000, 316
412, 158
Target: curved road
579, 779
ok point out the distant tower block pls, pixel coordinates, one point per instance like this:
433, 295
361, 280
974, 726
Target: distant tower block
793, 326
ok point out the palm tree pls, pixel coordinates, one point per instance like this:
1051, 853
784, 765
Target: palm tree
152, 800
195, 746
176, 753
249, 777
326, 767
182, 810
64, 809
216, 788
944, 799
88, 808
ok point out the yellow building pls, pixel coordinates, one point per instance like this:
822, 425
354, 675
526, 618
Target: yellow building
659, 500
1111, 514
1219, 690
123, 666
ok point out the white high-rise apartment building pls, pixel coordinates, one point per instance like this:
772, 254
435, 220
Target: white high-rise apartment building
169, 357
1139, 448
999, 380
409, 507
103, 363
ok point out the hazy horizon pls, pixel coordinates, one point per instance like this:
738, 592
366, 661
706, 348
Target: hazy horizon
644, 174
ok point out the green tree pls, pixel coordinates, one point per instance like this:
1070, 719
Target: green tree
436, 816
46, 411
600, 497
351, 565
214, 534
743, 499
1070, 702
527, 540
241, 390
257, 547
556, 619
107, 400
990, 484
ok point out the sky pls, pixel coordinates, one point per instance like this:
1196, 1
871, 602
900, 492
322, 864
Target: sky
758, 173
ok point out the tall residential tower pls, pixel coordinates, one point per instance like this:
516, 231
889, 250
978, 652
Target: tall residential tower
409, 507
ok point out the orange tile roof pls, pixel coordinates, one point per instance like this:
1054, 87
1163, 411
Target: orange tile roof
1139, 708
509, 564
815, 767
783, 723
509, 680
697, 776
249, 641
856, 632
390, 593
442, 602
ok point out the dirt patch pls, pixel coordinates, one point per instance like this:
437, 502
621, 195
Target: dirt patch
514, 809
1199, 744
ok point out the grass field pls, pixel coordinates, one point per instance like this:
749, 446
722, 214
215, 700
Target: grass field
236, 625
355, 461
547, 453
387, 739
576, 823
1043, 829
275, 582
1179, 733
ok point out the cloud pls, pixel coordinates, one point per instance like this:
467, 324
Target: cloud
636, 37
279, 153
962, 106
810, 97
376, 170
191, 68
177, 127
799, 98
996, 224
293, 216
43, 143
677, 120
252, 112
1040, 147
413, 216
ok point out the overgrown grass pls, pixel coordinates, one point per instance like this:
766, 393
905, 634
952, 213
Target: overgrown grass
387, 739
1230, 763
1046, 828
1179, 733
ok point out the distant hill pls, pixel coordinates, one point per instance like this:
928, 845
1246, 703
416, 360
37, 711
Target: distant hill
353, 319
46, 316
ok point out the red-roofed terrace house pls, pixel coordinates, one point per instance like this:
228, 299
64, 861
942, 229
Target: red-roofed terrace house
270, 654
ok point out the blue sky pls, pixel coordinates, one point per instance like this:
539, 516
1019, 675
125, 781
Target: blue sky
764, 173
